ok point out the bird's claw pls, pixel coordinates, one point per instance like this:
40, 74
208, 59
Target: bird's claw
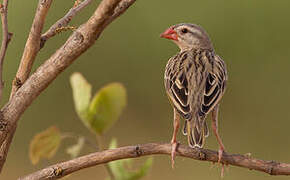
220, 155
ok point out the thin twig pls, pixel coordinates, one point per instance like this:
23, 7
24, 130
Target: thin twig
63, 21
32, 45
82, 39
96, 146
6, 37
120, 9
35, 42
90, 143
93, 159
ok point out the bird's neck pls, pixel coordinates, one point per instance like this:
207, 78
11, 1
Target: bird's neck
196, 50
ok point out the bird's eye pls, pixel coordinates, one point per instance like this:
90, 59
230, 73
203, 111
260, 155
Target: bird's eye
184, 30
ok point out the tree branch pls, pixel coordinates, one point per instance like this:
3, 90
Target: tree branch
63, 21
36, 41
32, 45
5, 147
62, 169
82, 38
6, 37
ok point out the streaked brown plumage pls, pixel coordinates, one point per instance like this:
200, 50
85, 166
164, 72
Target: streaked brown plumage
195, 81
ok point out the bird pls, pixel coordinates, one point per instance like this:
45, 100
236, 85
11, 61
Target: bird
195, 81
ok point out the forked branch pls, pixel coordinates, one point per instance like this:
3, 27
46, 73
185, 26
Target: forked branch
52, 31
62, 169
32, 45
82, 39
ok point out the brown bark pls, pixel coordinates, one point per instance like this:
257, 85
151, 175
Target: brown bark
82, 38
32, 45
64, 168
52, 31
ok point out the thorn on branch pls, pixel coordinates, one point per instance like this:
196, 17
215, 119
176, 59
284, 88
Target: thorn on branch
10, 34
9, 37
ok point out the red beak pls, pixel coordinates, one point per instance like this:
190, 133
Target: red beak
170, 34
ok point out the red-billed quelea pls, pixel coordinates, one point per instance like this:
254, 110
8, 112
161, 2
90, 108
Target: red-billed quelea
195, 81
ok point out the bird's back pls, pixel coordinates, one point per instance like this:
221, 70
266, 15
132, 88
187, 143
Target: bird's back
191, 82
185, 77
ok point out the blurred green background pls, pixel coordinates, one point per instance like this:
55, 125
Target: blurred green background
251, 36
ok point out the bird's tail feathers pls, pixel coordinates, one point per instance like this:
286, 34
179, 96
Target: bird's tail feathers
206, 131
196, 132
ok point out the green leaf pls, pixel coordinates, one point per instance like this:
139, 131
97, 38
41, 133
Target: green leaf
142, 171
81, 94
107, 106
120, 171
75, 150
44, 144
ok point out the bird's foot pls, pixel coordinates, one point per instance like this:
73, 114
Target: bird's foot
174, 146
220, 155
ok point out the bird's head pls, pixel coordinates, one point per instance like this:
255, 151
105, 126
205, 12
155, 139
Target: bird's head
188, 36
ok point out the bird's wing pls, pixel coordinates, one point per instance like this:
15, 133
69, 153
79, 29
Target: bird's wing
215, 85
176, 84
